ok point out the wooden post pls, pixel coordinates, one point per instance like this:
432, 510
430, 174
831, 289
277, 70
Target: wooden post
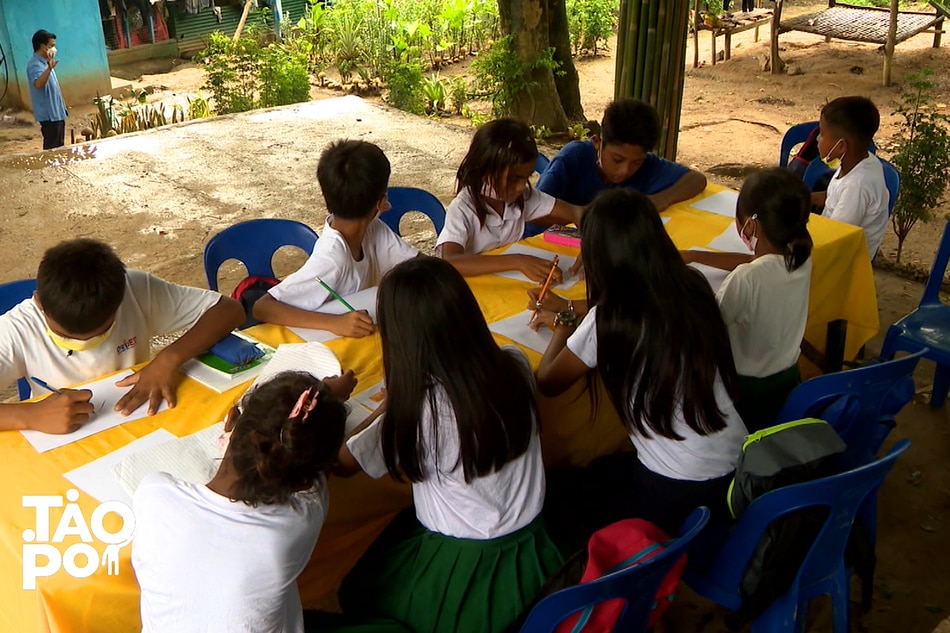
696, 21
889, 46
777, 64
240, 26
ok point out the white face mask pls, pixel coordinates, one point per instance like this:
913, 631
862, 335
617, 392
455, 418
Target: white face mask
51, 52
750, 242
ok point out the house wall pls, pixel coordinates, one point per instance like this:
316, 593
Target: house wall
83, 70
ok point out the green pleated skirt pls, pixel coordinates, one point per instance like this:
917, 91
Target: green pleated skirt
434, 583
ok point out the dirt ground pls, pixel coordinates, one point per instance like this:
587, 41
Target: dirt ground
733, 119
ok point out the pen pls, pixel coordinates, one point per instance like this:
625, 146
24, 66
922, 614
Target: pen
544, 289
43, 384
335, 295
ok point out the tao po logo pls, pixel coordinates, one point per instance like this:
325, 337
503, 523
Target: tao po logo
80, 560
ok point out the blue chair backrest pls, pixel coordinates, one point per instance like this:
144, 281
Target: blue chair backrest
637, 585
253, 243
795, 135
878, 392
406, 199
842, 494
892, 179
11, 294
931, 296
815, 170
542, 164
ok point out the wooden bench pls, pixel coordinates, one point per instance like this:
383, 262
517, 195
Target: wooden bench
729, 24
874, 25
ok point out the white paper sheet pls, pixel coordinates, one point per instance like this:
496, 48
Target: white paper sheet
105, 395
722, 203
193, 458
315, 358
96, 478
516, 328
370, 398
728, 241
564, 263
362, 300
665, 218
714, 276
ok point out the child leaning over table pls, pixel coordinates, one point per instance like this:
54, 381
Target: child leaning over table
857, 193
354, 251
764, 300
90, 316
621, 156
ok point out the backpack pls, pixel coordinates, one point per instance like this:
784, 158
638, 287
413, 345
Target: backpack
618, 546
782, 455
248, 292
798, 164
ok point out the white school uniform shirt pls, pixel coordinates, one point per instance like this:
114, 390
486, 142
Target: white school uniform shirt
462, 226
765, 308
860, 197
151, 307
695, 457
332, 261
206, 563
492, 506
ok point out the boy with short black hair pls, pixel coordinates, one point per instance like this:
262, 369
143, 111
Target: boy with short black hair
46, 98
90, 316
857, 193
354, 251
620, 156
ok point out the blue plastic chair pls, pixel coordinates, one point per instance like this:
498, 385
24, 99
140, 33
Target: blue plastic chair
253, 243
11, 294
795, 135
927, 327
542, 164
823, 570
531, 229
637, 585
813, 173
406, 199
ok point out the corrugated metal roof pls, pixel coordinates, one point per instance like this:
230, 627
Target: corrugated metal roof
192, 30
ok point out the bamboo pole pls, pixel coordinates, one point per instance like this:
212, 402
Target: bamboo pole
649, 67
240, 26
889, 46
677, 75
626, 59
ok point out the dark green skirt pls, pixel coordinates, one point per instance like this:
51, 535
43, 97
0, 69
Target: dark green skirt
762, 399
434, 583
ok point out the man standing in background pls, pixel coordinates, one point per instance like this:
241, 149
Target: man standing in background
49, 110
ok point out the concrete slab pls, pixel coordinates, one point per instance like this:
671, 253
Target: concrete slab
158, 196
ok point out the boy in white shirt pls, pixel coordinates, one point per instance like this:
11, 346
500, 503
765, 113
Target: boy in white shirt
857, 193
354, 251
90, 316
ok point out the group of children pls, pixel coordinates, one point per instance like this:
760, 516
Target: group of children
688, 370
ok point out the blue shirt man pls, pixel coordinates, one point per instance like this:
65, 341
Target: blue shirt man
49, 109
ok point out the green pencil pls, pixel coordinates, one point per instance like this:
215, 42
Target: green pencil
335, 295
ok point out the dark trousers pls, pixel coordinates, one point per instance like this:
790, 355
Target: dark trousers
54, 134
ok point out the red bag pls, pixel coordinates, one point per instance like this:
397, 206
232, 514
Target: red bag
619, 546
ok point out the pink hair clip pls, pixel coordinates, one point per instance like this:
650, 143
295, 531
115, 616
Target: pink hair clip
302, 405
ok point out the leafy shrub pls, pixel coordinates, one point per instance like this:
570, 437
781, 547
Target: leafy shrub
405, 87
591, 23
458, 93
502, 77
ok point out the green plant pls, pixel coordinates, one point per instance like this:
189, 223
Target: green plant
922, 156
284, 78
232, 72
405, 87
433, 89
541, 133
477, 118
105, 119
348, 44
590, 23
579, 132
458, 93
198, 108
502, 77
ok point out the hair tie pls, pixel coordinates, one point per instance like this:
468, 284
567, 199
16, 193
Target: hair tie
303, 406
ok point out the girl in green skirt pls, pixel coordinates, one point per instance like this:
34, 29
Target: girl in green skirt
460, 424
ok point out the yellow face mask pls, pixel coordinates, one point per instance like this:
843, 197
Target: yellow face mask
79, 345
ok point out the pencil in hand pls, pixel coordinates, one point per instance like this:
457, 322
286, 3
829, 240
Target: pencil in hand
334, 294
544, 289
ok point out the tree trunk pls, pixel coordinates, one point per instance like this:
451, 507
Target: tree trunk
548, 100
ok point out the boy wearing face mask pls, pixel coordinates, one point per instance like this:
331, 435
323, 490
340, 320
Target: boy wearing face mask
49, 110
621, 156
90, 316
857, 193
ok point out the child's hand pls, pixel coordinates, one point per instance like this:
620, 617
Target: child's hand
544, 318
551, 303
341, 386
537, 269
155, 382
577, 269
354, 324
62, 412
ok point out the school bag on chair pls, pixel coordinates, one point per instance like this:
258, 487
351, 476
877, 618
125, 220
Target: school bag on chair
248, 292
782, 455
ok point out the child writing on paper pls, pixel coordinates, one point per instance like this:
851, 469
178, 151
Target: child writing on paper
225, 556
620, 156
354, 251
90, 316
857, 193
460, 423
654, 335
764, 300
495, 200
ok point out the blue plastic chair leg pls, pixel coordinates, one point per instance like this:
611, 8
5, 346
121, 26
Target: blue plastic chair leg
941, 386
840, 603
780, 617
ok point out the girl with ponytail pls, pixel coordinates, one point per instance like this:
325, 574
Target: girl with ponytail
225, 556
764, 300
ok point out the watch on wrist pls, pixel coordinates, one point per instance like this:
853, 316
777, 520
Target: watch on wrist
567, 318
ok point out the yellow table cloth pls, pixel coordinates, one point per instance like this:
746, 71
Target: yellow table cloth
360, 508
